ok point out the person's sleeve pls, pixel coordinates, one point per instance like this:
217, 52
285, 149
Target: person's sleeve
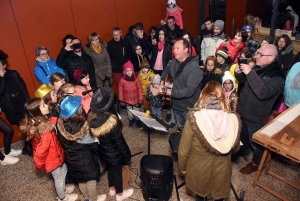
140, 91
120, 90
180, 21
108, 64
185, 146
42, 151
61, 58
2, 85
121, 146
92, 75
167, 15
240, 77
219, 48
40, 75
165, 72
23, 86
288, 62
203, 45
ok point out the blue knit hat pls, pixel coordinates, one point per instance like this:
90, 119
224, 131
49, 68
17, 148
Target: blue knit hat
69, 106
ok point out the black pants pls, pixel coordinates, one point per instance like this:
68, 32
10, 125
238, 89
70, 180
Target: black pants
115, 178
8, 132
198, 198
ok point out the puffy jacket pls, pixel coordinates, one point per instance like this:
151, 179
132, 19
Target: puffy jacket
102, 63
117, 53
113, 149
86, 99
286, 58
233, 51
176, 12
130, 91
166, 55
146, 80
292, 86
210, 76
44, 69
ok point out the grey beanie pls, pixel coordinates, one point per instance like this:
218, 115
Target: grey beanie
156, 79
219, 24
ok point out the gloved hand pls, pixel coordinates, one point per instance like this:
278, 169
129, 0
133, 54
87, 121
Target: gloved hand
122, 104
140, 103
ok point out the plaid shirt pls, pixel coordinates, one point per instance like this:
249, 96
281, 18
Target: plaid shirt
252, 45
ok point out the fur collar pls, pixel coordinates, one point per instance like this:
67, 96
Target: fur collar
203, 140
104, 128
72, 137
42, 128
286, 50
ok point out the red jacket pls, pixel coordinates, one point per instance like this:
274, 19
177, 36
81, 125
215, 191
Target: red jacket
233, 51
130, 92
47, 153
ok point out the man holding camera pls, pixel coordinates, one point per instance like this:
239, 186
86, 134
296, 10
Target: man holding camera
262, 86
75, 60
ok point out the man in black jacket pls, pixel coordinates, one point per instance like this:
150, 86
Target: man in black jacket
117, 52
172, 29
75, 60
262, 86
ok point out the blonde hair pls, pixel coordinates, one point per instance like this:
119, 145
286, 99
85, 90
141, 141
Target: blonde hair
210, 58
92, 35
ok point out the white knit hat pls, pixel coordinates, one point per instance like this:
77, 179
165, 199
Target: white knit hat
171, 1
228, 76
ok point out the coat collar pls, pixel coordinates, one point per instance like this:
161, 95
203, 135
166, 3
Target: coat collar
69, 136
98, 128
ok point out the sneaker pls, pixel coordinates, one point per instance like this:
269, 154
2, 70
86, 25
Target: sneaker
9, 160
69, 188
14, 152
69, 197
112, 192
126, 194
101, 197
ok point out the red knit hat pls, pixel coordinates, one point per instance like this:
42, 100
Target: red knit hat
77, 74
128, 64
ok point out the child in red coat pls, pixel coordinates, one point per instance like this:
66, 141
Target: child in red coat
174, 10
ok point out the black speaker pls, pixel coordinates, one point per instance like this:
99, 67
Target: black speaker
157, 177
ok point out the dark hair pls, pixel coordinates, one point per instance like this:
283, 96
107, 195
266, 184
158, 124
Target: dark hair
286, 39
68, 36
171, 18
165, 32
182, 32
47, 98
135, 46
243, 33
62, 91
154, 28
76, 39
82, 75
208, 19
115, 29
210, 58
247, 53
185, 42
3, 57
139, 26
56, 77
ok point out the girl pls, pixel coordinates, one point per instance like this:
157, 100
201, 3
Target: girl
49, 97
154, 97
81, 149
211, 72
47, 151
130, 90
174, 10
137, 57
82, 80
228, 85
113, 149
211, 133
152, 39
67, 89
56, 80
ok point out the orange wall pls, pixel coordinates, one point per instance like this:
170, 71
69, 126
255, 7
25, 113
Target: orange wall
26, 24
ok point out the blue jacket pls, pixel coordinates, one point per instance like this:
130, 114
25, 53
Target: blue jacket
292, 86
49, 68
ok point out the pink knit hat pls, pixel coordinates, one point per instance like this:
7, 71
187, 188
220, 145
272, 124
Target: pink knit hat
128, 64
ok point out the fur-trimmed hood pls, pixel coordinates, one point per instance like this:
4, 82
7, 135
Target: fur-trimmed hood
286, 50
100, 124
72, 136
42, 128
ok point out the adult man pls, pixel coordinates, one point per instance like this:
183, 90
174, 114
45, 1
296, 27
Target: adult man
76, 59
172, 29
209, 25
212, 41
117, 52
187, 78
251, 44
262, 86
137, 36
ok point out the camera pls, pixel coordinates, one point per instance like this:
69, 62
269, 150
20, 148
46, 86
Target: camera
242, 61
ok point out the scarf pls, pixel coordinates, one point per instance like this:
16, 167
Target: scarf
172, 10
161, 45
97, 49
129, 79
227, 93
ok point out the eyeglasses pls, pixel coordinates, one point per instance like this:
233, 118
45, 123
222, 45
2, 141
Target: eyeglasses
263, 55
45, 54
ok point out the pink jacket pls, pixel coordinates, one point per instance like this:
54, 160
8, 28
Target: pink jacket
130, 92
86, 100
178, 16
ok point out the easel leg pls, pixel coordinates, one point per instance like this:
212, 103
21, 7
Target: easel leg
149, 131
268, 162
261, 164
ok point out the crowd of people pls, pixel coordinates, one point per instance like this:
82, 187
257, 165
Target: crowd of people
223, 91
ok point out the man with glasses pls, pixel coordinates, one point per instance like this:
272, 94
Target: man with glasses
45, 66
262, 86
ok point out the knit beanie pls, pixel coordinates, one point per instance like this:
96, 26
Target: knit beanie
156, 79
219, 24
128, 64
171, 1
269, 39
228, 76
223, 53
144, 64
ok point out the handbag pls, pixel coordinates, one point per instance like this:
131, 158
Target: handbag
126, 177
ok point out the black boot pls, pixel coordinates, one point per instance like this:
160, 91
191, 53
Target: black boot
27, 150
168, 118
131, 123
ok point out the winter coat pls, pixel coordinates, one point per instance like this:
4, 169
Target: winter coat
210, 76
233, 51
117, 53
208, 171
155, 101
102, 63
131, 40
86, 99
47, 151
292, 86
13, 96
81, 150
176, 12
186, 85
113, 149
252, 45
166, 55
286, 58
130, 91
70, 62
172, 34
224, 67
233, 100
44, 69
136, 60
145, 80
262, 86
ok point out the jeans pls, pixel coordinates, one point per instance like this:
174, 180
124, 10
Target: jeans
258, 150
156, 111
89, 190
8, 132
115, 178
180, 117
171, 111
59, 176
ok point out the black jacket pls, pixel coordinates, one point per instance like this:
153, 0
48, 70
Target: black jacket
113, 149
172, 34
286, 58
210, 76
71, 61
262, 86
131, 40
13, 96
136, 60
81, 157
167, 55
117, 53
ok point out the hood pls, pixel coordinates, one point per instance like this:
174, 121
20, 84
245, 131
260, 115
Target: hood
174, 9
100, 124
228, 76
72, 131
286, 50
42, 128
38, 61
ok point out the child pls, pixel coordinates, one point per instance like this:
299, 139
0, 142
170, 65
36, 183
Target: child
81, 149
130, 90
82, 80
67, 89
113, 149
174, 10
56, 80
228, 85
211, 72
223, 60
49, 97
145, 76
154, 97
47, 151
137, 57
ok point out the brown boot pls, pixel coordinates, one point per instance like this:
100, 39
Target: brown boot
249, 168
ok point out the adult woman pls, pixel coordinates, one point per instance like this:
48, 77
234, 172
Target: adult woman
236, 45
210, 135
285, 52
13, 95
152, 39
45, 66
97, 50
161, 53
